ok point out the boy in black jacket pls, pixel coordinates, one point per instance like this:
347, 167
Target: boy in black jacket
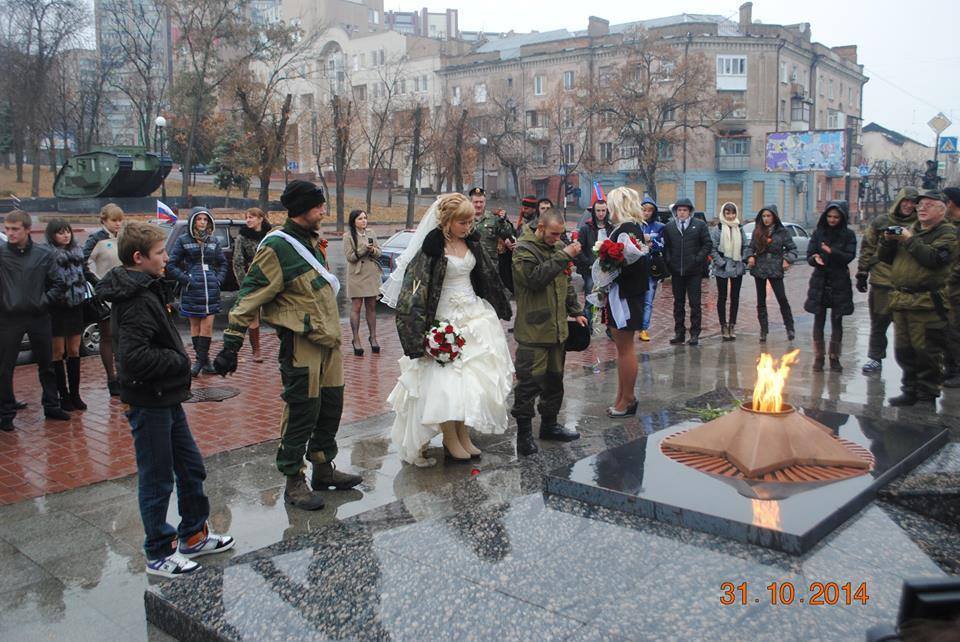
154, 375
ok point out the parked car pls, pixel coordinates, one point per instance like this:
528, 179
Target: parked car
800, 237
226, 230
391, 250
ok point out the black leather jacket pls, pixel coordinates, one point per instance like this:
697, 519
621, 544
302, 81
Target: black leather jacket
28, 278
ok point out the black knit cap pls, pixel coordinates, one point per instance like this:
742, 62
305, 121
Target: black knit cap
952, 193
300, 197
529, 201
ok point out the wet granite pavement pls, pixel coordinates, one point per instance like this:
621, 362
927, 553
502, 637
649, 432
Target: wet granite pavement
446, 553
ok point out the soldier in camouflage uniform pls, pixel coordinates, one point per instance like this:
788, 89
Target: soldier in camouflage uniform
545, 298
494, 230
920, 257
289, 284
903, 212
952, 371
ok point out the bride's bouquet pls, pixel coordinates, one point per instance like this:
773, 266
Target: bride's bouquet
443, 342
611, 255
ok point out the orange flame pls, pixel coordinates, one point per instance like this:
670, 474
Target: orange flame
768, 392
766, 513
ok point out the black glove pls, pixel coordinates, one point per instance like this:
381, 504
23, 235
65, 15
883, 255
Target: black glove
861, 281
226, 362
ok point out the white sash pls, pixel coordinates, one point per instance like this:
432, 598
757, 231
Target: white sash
308, 257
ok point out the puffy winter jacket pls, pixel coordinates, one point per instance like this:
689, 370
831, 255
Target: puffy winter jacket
770, 254
28, 279
198, 264
152, 367
830, 283
71, 284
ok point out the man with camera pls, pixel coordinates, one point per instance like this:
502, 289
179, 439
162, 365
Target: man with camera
920, 256
903, 213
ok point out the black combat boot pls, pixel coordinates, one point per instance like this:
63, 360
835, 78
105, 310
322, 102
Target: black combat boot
552, 431
526, 446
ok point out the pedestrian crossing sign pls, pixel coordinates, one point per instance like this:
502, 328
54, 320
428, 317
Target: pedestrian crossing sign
948, 145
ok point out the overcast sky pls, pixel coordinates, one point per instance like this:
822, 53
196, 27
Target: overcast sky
910, 49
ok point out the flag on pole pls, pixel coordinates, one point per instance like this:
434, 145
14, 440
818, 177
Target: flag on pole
597, 194
165, 214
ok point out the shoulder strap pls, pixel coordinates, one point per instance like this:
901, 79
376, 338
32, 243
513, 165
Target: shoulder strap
307, 256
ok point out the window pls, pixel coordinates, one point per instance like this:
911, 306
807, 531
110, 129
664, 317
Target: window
539, 155
454, 97
783, 109
608, 118
402, 86
665, 73
733, 147
568, 117
533, 118
835, 119
360, 93
737, 102
831, 89
732, 73
783, 73
356, 62
509, 83
363, 60
480, 93
800, 110
606, 152
820, 86
669, 113
306, 101
850, 95
538, 85
664, 150
606, 75
630, 152
373, 16
569, 154
568, 80
731, 65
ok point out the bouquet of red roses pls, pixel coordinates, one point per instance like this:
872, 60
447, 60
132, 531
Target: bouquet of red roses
443, 342
610, 255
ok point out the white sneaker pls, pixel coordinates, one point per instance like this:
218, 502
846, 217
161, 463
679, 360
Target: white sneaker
207, 544
173, 565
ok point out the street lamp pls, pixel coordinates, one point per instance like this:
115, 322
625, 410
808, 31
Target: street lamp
483, 164
161, 123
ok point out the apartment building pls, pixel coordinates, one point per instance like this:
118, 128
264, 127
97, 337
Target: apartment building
781, 79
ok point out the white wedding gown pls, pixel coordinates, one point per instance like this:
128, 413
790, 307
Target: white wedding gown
472, 389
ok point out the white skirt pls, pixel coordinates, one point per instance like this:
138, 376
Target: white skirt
473, 389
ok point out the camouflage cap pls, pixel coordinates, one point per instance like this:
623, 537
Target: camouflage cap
934, 194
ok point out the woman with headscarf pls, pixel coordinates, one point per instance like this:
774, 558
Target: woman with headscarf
729, 243
832, 247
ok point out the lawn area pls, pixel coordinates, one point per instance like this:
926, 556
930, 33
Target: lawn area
379, 213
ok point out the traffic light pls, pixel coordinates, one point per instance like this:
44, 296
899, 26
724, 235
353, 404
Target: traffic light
930, 178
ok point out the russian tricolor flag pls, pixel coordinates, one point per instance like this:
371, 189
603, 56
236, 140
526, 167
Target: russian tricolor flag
165, 214
597, 194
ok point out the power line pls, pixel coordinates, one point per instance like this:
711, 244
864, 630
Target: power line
874, 74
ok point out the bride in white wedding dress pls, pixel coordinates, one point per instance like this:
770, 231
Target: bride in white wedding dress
444, 275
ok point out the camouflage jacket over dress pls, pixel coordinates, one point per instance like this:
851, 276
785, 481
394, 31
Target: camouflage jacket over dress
869, 261
492, 230
920, 266
287, 291
423, 281
544, 291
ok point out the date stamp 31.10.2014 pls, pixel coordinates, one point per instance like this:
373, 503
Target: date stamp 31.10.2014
789, 593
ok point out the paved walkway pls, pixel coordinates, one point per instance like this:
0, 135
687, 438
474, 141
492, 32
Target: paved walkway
42, 457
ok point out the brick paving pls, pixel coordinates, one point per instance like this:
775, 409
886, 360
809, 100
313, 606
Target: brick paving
42, 457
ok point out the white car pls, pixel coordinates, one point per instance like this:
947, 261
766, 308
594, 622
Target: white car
800, 238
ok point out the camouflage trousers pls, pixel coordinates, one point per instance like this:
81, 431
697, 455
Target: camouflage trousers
539, 374
952, 360
313, 391
918, 346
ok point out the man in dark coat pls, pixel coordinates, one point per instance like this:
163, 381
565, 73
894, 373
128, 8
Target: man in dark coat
686, 247
28, 277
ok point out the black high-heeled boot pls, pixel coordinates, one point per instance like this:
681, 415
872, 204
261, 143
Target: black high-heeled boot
73, 383
61, 375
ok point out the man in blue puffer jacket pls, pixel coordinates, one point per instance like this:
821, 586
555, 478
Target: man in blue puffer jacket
198, 264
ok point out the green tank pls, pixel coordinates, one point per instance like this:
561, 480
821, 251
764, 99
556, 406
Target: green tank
112, 172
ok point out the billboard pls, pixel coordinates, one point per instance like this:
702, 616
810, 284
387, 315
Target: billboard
808, 151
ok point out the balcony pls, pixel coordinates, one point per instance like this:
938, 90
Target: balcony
731, 163
537, 134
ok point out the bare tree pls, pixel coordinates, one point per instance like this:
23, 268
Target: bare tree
79, 96
343, 111
568, 121
265, 109
650, 102
216, 39
35, 33
505, 131
415, 154
136, 33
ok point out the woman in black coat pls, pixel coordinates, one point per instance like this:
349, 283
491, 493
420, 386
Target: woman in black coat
832, 247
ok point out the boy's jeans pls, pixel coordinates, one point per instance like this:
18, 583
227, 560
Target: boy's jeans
164, 448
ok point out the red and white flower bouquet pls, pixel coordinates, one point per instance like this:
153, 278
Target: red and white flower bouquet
443, 342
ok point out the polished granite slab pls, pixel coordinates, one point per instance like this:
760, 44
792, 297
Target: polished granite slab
638, 478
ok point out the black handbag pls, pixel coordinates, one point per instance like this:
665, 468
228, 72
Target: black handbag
94, 308
578, 337
658, 267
